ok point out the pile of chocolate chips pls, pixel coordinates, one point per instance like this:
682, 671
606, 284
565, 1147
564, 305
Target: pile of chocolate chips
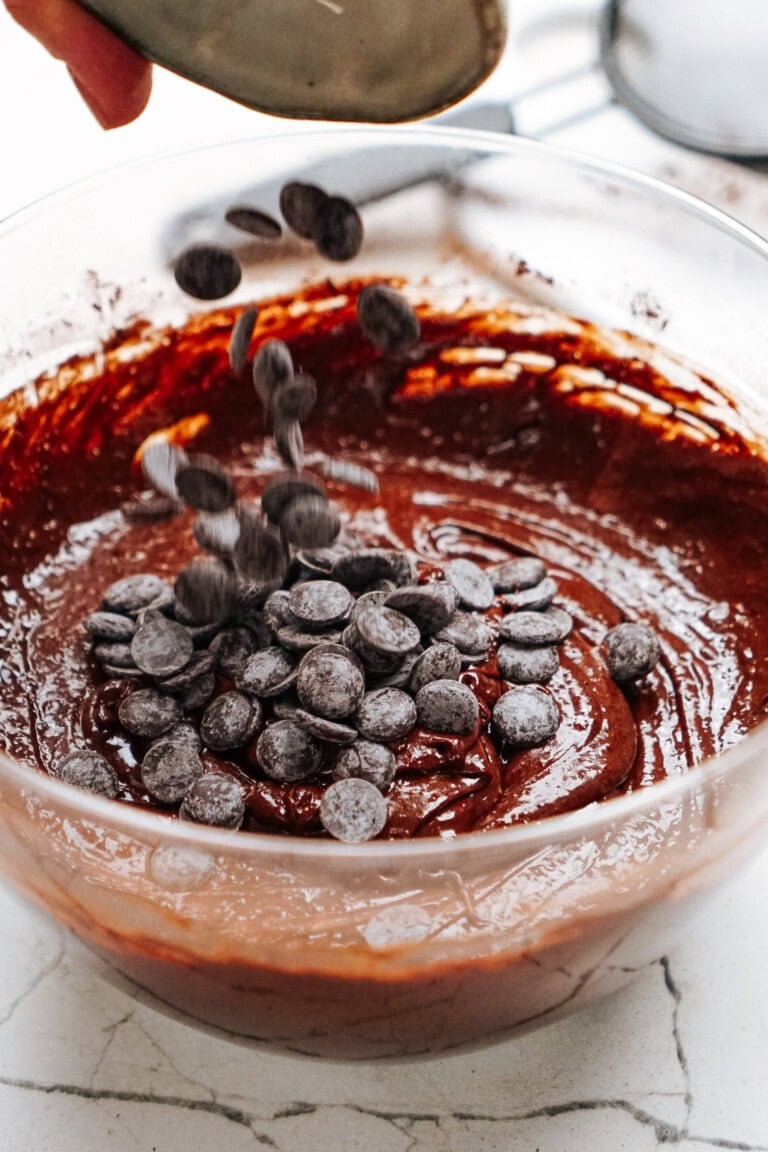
290, 642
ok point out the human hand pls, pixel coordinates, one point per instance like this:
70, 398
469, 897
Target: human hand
113, 79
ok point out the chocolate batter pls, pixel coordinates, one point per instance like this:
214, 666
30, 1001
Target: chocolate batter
637, 481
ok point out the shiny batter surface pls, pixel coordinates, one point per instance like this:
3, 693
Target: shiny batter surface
642, 487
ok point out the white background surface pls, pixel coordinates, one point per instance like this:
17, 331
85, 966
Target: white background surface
679, 1060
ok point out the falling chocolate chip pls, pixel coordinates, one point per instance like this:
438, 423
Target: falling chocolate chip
526, 717
133, 594
206, 590
265, 671
110, 627
150, 509
160, 647
522, 572
286, 752
160, 462
320, 603
217, 532
332, 731
230, 721
310, 522
353, 810
89, 771
387, 319
149, 713
289, 442
549, 627
284, 487
169, 769
300, 205
272, 367
632, 651
294, 399
338, 231
214, 799
527, 665
240, 340
386, 714
204, 485
331, 681
260, 553
343, 472
441, 661
534, 599
366, 760
448, 707
253, 221
430, 606
207, 272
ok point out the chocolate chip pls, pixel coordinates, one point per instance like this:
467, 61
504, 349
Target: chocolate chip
385, 714
400, 676
272, 367
289, 442
286, 752
253, 221
320, 603
230, 721
160, 647
361, 567
310, 522
522, 572
284, 487
366, 760
342, 472
207, 272
533, 599
298, 639
199, 664
331, 731
430, 606
387, 631
260, 553
286, 706
169, 769
182, 733
331, 682
217, 532
379, 663
133, 594
206, 590
214, 799
110, 626
353, 810
204, 485
198, 693
550, 627
240, 340
300, 204
526, 717
315, 562
467, 632
160, 463
90, 771
114, 672
632, 651
294, 400
387, 319
527, 665
367, 600
265, 671
338, 231
150, 509
448, 707
231, 649
441, 661
473, 586
115, 655
149, 713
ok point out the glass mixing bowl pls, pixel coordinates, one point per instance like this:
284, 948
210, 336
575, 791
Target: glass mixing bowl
388, 947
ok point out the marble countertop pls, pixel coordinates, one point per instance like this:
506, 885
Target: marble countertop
680, 1058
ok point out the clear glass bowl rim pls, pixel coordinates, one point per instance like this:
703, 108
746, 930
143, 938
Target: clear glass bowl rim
592, 820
